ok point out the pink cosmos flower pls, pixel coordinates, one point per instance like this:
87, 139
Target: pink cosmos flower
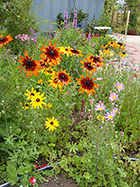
93, 44
113, 96
120, 86
110, 116
32, 180
115, 110
100, 107
100, 78
91, 101
130, 79
122, 133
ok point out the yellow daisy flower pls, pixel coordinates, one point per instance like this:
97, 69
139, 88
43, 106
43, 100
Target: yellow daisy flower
66, 50
48, 105
122, 54
51, 124
30, 94
40, 81
54, 82
37, 100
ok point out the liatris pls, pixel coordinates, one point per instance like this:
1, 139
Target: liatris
75, 19
65, 20
34, 35
89, 37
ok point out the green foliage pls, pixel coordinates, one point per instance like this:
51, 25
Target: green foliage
84, 142
80, 15
17, 19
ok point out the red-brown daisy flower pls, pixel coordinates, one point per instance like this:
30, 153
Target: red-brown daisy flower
76, 52
63, 77
31, 66
87, 84
89, 66
97, 60
6, 40
51, 53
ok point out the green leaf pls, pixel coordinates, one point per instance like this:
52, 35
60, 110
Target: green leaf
86, 175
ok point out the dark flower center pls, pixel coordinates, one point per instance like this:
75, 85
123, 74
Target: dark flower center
120, 43
1, 39
66, 49
123, 53
63, 76
29, 63
106, 48
37, 99
51, 123
51, 52
111, 42
32, 94
88, 65
74, 50
96, 58
87, 82
26, 105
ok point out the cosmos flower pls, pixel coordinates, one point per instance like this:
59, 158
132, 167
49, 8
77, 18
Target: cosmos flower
87, 84
99, 107
120, 86
6, 40
113, 96
37, 100
31, 66
51, 123
51, 52
110, 116
116, 110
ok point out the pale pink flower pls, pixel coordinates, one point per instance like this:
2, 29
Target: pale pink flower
91, 101
93, 44
113, 96
130, 79
100, 107
115, 110
100, 78
110, 116
120, 86
122, 133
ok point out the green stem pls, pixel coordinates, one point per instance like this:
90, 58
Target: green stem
5, 118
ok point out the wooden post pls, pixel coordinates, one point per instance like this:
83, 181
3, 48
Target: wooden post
116, 19
128, 15
124, 15
113, 17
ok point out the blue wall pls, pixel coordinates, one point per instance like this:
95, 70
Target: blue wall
51, 9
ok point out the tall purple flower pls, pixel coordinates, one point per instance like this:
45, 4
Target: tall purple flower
75, 19
65, 20
89, 37
34, 34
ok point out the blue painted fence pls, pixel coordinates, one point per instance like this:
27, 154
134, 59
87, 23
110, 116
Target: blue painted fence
51, 9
